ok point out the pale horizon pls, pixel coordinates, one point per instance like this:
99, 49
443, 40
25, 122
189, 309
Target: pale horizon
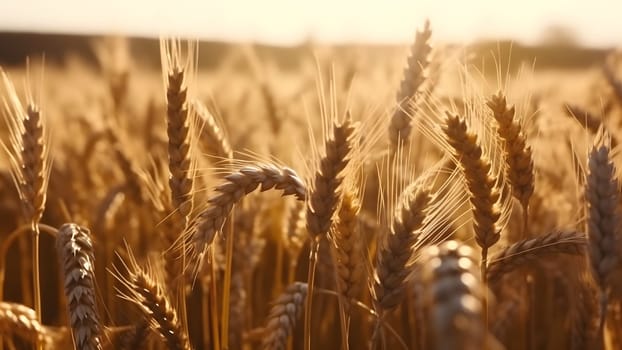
594, 23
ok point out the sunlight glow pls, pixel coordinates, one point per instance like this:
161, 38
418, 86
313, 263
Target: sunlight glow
595, 22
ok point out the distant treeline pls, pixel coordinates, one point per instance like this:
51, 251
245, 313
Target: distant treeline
14, 47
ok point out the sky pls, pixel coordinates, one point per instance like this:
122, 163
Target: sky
595, 22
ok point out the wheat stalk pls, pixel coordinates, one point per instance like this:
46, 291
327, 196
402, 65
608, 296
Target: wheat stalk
349, 248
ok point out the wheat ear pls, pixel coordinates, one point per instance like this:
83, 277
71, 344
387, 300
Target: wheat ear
452, 297
325, 193
30, 165
484, 195
179, 126
412, 80
602, 197
75, 251
522, 252
21, 320
325, 190
397, 246
143, 289
284, 315
294, 234
238, 184
517, 154
349, 248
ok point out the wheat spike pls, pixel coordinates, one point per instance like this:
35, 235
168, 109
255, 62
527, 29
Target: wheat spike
518, 157
452, 297
602, 198
21, 320
76, 255
284, 315
525, 251
397, 247
484, 195
179, 127
412, 80
349, 247
238, 184
143, 289
325, 190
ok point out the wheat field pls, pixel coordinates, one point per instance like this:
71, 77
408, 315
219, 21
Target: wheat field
424, 198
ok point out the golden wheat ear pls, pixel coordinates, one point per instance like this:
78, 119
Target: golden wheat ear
142, 287
284, 315
413, 78
395, 249
28, 152
452, 298
523, 252
484, 194
180, 122
236, 185
517, 154
22, 321
603, 218
75, 251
